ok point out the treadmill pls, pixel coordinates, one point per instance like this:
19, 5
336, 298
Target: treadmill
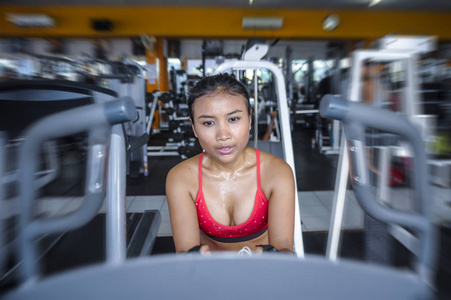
23, 104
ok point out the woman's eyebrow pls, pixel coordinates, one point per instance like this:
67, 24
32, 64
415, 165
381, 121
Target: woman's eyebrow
234, 112
212, 117
205, 117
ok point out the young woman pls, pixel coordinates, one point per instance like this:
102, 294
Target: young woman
230, 196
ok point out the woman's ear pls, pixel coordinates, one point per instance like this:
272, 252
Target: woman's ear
192, 126
250, 120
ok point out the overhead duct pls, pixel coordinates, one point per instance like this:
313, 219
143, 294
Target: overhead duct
262, 22
103, 25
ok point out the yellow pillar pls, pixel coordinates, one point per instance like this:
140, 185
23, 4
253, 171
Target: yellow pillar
157, 73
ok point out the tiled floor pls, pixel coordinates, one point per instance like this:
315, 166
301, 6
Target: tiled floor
315, 208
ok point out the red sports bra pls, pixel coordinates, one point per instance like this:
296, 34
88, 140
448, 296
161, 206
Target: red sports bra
255, 226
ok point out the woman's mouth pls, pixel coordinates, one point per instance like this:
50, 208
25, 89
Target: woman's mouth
225, 150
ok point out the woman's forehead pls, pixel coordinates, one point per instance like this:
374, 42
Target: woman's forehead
219, 100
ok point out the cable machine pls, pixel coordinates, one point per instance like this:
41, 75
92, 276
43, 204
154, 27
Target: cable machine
283, 148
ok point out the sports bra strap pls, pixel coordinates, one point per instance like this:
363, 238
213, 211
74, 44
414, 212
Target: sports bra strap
200, 171
258, 167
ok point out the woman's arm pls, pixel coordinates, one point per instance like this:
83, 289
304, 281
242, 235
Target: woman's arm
182, 210
281, 205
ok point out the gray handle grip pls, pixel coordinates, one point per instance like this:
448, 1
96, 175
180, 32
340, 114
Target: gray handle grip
333, 107
120, 110
356, 116
97, 120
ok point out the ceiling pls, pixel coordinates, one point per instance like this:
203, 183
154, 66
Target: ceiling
421, 5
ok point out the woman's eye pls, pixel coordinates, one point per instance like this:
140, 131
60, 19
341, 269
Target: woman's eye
208, 123
234, 119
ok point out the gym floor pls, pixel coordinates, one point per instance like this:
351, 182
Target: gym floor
315, 174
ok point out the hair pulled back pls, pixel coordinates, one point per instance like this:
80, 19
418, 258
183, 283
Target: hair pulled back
210, 85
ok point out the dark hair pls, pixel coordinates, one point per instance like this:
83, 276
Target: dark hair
221, 82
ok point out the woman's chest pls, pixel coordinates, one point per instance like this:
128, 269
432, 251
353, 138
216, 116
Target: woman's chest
230, 202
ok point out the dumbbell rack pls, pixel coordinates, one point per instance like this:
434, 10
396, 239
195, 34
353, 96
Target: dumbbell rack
178, 145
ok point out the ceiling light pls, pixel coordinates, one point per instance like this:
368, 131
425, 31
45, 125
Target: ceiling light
331, 22
374, 2
251, 2
417, 44
31, 20
262, 22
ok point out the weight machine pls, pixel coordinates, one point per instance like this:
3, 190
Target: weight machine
127, 78
409, 108
177, 276
283, 148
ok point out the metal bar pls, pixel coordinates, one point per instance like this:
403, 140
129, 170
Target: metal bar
412, 96
308, 111
256, 110
336, 134
162, 148
115, 199
52, 172
384, 162
3, 211
169, 153
333, 238
406, 238
341, 181
152, 112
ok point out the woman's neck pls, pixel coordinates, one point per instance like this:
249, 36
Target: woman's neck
233, 168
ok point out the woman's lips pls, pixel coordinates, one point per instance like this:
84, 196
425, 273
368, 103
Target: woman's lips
225, 150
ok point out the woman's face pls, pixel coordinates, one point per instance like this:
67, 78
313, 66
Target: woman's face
222, 125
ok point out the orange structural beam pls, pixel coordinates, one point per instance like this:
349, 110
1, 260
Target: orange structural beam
183, 22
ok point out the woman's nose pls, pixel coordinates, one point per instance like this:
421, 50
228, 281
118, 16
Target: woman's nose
223, 132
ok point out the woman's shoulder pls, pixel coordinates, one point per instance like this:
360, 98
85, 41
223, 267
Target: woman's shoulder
275, 173
273, 168
185, 170
271, 161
